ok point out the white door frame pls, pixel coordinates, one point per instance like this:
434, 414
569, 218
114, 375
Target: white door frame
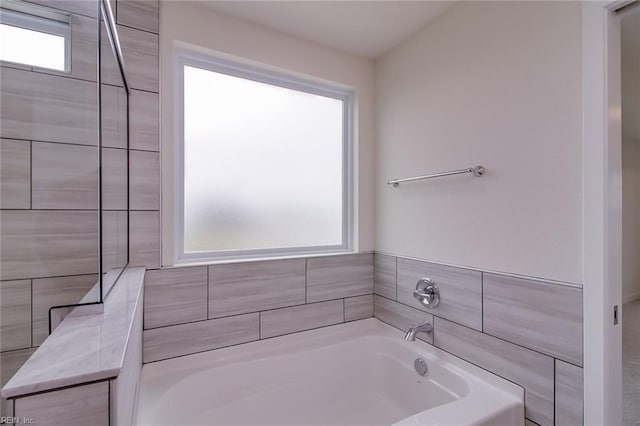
602, 213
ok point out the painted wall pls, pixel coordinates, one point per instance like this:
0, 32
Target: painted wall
189, 23
630, 45
497, 84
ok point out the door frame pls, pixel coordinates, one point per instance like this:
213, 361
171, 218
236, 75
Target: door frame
602, 212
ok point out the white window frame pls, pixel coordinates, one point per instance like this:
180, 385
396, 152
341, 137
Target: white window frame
184, 57
26, 16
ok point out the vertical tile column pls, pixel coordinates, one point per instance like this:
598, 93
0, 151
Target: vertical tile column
48, 188
138, 29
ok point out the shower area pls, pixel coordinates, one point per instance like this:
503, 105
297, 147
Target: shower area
64, 167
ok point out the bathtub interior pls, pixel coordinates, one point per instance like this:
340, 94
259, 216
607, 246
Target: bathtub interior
348, 374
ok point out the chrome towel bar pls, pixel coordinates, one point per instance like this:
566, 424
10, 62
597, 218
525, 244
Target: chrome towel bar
477, 171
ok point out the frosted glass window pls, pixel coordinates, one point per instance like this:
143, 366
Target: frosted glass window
35, 41
263, 165
32, 47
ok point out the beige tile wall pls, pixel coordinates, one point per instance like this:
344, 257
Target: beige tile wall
528, 331
192, 309
48, 186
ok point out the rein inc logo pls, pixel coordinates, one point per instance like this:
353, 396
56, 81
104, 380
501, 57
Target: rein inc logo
17, 421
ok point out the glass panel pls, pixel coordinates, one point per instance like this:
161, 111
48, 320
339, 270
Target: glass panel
31, 47
115, 142
262, 165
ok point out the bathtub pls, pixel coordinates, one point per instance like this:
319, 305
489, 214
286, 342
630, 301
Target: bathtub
359, 373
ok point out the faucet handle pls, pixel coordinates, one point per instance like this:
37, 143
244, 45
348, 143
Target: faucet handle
427, 292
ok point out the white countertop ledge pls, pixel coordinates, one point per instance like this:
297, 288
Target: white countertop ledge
84, 348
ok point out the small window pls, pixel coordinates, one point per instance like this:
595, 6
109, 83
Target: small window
33, 40
265, 163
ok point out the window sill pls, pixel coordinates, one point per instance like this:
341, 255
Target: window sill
207, 262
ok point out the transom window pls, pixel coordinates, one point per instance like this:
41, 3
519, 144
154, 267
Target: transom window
264, 164
34, 36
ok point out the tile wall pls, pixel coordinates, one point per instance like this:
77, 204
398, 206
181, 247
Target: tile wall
195, 309
527, 331
48, 197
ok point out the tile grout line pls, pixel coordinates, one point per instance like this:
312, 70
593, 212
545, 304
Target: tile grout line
555, 378
482, 301
30, 175
31, 319
396, 281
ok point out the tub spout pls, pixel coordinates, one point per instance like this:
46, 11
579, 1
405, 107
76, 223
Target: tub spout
424, 327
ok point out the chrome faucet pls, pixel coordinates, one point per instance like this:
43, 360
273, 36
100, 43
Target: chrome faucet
423, 327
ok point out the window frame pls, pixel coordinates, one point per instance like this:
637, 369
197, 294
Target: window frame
39, 20
262, 74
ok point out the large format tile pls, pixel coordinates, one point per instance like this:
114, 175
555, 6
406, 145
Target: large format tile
48, 292
144, 121
144, 183
174, 296
529, 369
15, 317
87, 8
300, 318
64, 176
184, 339
114, 116
384, 275
401, 316
10, 362
334, 277
114, 179
15, 174
114, 240
141, 14
239, 288
144, 239
46, 107
48, 243
83, 47
140, 51
542, 316
359, 307
460, 290
79, 405
569, 394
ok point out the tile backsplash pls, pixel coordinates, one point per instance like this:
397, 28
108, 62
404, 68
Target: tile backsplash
528, 331
193, 309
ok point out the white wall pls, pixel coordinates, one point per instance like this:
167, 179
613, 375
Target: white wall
631, 156
497, 84
194, 24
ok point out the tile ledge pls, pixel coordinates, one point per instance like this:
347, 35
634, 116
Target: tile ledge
84, 348
485, 271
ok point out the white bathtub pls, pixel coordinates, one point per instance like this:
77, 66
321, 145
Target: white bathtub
359, 373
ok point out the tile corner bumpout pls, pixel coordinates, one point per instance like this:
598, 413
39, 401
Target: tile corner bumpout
88, 337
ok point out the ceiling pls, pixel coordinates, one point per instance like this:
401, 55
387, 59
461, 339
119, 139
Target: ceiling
364, 28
